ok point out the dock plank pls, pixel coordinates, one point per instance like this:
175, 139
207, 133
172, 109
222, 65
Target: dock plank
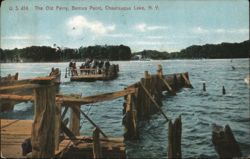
14, 132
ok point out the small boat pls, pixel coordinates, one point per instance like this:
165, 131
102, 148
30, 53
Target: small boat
247, 80
93, 74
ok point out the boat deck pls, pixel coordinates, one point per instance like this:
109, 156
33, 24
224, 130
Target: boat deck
92, 74
88, 77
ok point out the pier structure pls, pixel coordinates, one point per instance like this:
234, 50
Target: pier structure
50, 135
11, 80
147, 98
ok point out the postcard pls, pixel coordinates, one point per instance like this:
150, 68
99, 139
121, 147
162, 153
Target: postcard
124, 79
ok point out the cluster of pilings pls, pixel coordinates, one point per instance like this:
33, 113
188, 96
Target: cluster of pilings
147, 98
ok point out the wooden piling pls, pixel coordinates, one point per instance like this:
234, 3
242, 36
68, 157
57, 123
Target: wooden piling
175, 82
162, 82
155, 103
146, 103
186, 80
130, 119
74, 124
156, 90
146, 74
169, 88
43, 127
97, 150
223, 90
57, 124
204, 87
159, 70
225, 143
174, 138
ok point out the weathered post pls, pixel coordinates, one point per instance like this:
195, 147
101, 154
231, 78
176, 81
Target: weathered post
57, 124
97, 149
174, 138
157, 87
223, 90
130, 120
74, 124
175, 82
204, 87
185, 77
43, 127
147, 103
159, 70
225, 143
146, 74
154, 102
163, 81
16, 76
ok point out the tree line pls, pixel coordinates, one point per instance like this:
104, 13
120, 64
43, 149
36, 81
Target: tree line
121, 52
57, 54
223, 50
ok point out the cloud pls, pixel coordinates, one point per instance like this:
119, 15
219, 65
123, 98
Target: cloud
144, 27
232, 31
200, 30
154, 37
26, 37
120, 35
78, 24
153, 43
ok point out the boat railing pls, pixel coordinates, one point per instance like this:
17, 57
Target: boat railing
110, 71
84, 71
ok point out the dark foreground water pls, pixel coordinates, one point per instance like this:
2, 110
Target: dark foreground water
199, 110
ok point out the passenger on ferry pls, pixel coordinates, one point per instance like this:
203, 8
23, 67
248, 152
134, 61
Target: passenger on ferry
87, 65
71, 63
82, 67
93, 65
74, 71
100, 65
106, 66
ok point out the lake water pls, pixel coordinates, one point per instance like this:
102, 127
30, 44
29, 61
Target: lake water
199, 110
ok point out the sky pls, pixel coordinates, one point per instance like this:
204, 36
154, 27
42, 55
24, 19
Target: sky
164, 25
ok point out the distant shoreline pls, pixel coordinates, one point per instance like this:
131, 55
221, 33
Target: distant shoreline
123, 53
129, 60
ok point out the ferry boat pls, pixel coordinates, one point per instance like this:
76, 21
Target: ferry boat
92, 74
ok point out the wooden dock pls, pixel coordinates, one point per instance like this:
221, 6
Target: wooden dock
142, 99
14, 132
